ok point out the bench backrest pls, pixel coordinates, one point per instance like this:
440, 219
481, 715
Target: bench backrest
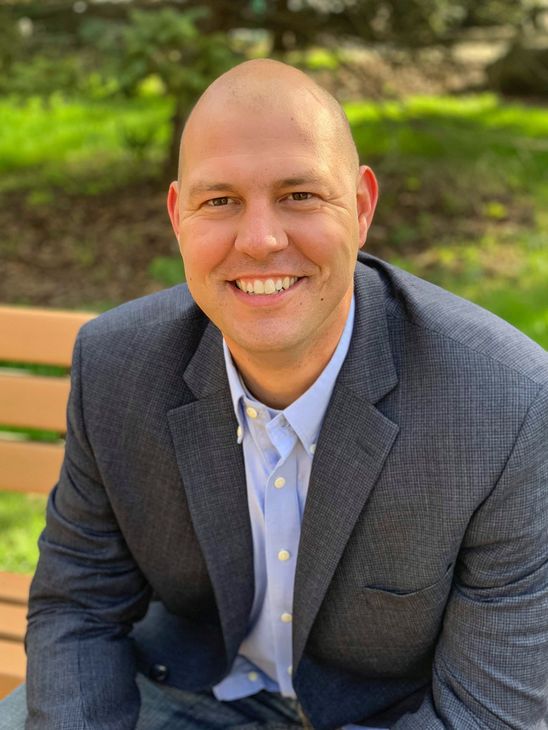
34, 401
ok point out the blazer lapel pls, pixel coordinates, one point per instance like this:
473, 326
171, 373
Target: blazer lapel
354, 442
212, 470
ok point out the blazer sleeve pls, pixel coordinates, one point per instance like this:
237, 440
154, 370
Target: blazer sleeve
84, 598
491, 663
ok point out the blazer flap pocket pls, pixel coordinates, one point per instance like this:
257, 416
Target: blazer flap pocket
429, 597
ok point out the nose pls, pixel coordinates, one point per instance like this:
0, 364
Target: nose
259, 232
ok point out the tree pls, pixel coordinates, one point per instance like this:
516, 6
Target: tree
56, 43
47, 47
168, 45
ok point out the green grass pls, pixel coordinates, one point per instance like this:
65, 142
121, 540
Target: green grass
79, 145
480, 152
21, 521
474, 169
509, 279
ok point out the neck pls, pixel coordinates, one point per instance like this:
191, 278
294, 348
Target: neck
278, 385
277, 379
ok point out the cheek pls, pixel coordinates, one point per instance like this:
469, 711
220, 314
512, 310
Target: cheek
329, 243
204, 247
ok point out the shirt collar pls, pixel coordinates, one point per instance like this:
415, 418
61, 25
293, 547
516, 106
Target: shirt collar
237, 392
305, 415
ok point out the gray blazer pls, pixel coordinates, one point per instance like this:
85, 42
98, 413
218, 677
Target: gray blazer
421, 591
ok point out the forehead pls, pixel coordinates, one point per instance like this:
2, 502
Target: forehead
243, 135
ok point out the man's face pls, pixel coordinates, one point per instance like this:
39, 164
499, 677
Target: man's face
269, 223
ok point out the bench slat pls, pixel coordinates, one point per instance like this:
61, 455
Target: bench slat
34, 402
43, 337
13, 621
29, 467
14, 587
39, 335
12, 666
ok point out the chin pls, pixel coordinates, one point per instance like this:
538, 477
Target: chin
264, 345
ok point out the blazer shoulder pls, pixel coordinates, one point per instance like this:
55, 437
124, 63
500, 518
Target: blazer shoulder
153, 310
466, 328
160, 331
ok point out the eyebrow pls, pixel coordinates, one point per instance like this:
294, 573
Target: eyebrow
198, 188
202, 187
303, 180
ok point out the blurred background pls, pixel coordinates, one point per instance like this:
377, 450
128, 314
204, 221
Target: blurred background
448, 100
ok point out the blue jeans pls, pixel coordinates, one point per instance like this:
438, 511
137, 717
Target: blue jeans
167, 708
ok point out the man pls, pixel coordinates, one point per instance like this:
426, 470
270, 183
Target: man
305, 490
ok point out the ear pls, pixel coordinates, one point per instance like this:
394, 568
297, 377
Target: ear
173, 206
367, 195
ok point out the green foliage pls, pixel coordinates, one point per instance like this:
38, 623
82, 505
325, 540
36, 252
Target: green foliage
496, 210
316, 59
127, 54
167, 270
165, 44
21, 521
11, 44
45, 75
414, 23
47, 370
56, 29
35, 434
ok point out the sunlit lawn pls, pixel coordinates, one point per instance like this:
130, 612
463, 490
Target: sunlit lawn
21, 520
478, 166
472, 170
509, 279
78, 146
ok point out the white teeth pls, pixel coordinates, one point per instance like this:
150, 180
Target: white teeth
268, 286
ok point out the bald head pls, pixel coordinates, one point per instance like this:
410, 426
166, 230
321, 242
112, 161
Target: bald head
263, 87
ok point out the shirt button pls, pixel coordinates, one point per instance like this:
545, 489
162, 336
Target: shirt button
284, 555
290, 670
312, 448
253, 676
279, 483
287, 618
251, 412
239, 432
159, 672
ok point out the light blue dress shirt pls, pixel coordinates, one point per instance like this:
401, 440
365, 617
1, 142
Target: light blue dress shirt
278, 449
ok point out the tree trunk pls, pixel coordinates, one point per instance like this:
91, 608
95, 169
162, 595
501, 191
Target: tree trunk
171, 161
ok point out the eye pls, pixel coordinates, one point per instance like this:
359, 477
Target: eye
218, 202
300, 196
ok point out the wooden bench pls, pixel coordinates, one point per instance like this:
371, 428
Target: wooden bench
29, 401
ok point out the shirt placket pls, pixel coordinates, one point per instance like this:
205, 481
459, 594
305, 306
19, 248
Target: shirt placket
282, 528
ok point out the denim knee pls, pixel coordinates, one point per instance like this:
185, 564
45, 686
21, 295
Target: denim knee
13, 710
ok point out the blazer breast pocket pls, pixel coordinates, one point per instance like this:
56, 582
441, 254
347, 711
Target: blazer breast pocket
382, 632
411, 617
430, 594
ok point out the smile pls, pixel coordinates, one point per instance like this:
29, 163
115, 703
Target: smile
266, 286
